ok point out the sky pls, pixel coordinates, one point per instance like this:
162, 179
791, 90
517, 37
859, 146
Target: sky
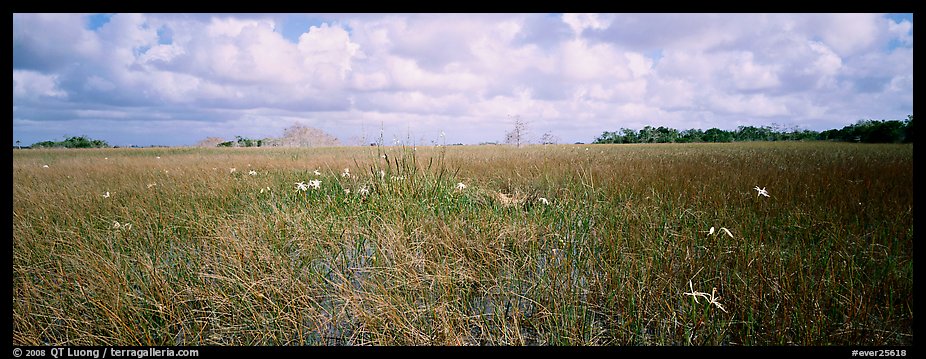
175, 79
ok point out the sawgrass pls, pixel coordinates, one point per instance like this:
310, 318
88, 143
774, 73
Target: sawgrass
221, 257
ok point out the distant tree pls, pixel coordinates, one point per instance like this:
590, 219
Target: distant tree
73, 142
666, 135
549, 139
302, 136
805, 135
210, 142
691, 135
609, 137
831, 135
246, 142
518, 134
717, 135
874, 131
647, 135
885, 131
45, 144
868, 131
752, 133
630, 135
271, 142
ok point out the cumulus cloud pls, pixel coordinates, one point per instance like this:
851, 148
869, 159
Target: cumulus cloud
580, 22
572, 74
35, 85
50, 42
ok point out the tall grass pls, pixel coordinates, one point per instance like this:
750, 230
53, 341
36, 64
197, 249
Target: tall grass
221, 257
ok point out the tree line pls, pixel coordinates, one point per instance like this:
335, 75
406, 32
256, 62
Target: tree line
866, 131
72, 142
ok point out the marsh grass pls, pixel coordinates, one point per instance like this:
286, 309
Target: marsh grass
212, 259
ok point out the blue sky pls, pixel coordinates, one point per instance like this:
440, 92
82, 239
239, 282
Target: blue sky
174, 79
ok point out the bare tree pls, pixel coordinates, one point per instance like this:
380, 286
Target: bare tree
210, 142
302, 136
549, 139
518, 134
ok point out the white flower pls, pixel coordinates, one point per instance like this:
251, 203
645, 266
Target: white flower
761, 191
105, 158
152, 185
382, 174
712, 299
712, 231
300, 186
158, 157
364, 191
252, 173
346, 173
347, 191
317, 173
384, 156
44, 166
315, 184
727, 231
106, 195
461, 186
232, 170
543, 200
116, 225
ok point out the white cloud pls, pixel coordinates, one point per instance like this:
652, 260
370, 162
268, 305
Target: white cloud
638, 64
51, 41
161, 55
97, 83
580, 22
576, 74
749, 105
848, 33
902, 31
673, 93
584, 62
748, 75
35, 85
327, 52
405, 74
827, 63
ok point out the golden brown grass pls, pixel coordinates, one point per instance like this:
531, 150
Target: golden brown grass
212, 259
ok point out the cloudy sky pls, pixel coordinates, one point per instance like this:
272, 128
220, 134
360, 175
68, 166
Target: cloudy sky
174, 79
